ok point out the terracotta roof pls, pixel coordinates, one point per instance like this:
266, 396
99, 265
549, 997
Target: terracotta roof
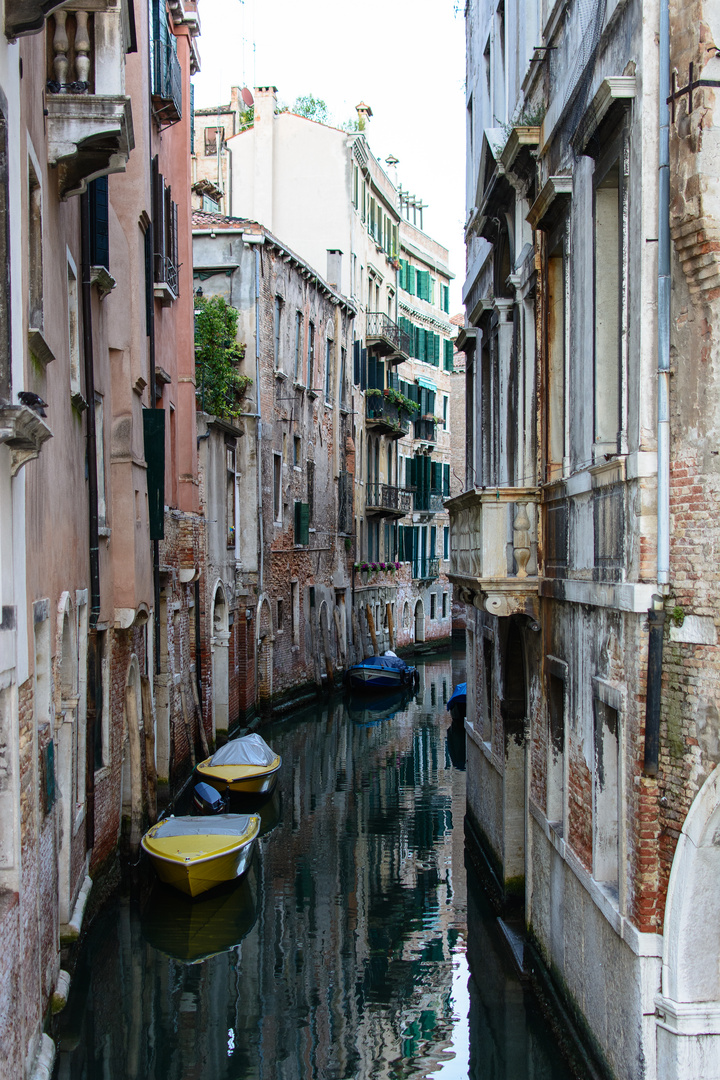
205, 219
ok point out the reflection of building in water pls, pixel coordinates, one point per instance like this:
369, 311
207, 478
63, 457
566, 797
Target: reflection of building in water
348, 970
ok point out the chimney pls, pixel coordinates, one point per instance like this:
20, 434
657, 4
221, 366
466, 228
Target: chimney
265, 106
334, 267
364, 114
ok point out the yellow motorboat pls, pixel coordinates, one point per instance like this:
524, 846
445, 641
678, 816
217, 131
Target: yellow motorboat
194, 854
246, 766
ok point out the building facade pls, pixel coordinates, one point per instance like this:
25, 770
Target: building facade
277, 476
356, 224
98, 496
581, 543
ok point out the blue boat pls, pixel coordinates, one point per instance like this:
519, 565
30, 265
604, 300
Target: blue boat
457, 704
386, 672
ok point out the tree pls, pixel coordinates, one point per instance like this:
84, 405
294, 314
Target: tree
219, 385
311, 107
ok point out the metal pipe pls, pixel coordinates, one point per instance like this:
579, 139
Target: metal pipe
258, 425
150, 306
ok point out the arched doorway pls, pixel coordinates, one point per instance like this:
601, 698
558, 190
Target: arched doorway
688, 1040
419, 621
220, 643
131, 815
265, 644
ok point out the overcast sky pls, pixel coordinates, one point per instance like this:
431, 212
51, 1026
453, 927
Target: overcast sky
405, 59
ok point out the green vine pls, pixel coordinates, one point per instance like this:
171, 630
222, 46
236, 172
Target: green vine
219, 385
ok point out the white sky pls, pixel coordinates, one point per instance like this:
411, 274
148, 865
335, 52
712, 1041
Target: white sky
404, 58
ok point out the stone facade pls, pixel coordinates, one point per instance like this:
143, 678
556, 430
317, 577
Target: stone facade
559, 539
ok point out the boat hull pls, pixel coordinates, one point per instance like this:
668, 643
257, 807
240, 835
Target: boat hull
240, 779
194, 873
375, 679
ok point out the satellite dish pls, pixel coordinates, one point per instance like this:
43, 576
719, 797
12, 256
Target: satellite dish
247, 96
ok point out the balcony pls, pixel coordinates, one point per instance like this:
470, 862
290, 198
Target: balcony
426, 429
384, 500
385, 416
166, 82
386, 338
89, 119
425, 569
493, 553
428, 502
166, 280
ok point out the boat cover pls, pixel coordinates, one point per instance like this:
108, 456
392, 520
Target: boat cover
458, 693
248, 750
390, 663
219, 825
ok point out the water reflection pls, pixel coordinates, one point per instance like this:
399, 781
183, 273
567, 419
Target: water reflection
344, 955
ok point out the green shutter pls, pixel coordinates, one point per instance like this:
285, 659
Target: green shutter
436, 476
446, 481
154, 449
445, 299
412, 466
302, 523
433, 540
403, 274
410, 280
449, 354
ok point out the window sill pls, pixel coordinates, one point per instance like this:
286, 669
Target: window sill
279, 374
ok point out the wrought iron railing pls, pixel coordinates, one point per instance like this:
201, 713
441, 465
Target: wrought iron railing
166, 83
166, 272
382, 410
426, 429
387, 497
425, 569
428, 502
380, 325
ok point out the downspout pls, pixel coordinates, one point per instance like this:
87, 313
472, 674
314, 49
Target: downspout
258, 426
150, 277
656, 615
93, 523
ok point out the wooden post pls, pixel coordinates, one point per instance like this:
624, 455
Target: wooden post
391, 625
371, 627
188, 726
198, 710
149, 727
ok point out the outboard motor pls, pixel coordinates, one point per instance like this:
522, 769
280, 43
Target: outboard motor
208, 800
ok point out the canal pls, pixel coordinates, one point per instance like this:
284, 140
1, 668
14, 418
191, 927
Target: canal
358, 947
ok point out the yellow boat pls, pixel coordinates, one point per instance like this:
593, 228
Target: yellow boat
246, 766
195, 854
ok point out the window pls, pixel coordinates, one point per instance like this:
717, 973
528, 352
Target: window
444, 411
298, 345
279, 618
297, 451
165, 234
311, 354
432, 605
446, 542
213, 138
343, 375
302, 523
311, 490
100, 458
606, 846
444, 605
295, 612
556, 334
35, 250
230, 495
277, 322
73, 331
445, 298
448, 355
99, 222
328, 370
556, 745
277, 487
608, 309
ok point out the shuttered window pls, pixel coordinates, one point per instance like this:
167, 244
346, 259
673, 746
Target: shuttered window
446, 482
448, 353
302, 523
99, 222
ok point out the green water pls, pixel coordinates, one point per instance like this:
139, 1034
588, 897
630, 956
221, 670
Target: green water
356, 947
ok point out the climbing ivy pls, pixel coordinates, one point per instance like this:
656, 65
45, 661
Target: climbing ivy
219, 385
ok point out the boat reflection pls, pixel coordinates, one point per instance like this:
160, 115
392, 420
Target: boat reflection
366, 711
194, 930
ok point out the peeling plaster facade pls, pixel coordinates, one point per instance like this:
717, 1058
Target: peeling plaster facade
554, 540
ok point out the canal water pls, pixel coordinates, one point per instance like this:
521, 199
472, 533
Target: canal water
358, 947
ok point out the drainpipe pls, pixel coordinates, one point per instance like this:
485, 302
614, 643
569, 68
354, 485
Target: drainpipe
656, 615
258, 422
149, 279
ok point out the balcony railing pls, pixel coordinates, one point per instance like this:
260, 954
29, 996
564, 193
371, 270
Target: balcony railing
493, 553
385, 500
89, 119
386, 416
428, 502
385, 335
166, 83
166, 279
425, 569
426, 429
